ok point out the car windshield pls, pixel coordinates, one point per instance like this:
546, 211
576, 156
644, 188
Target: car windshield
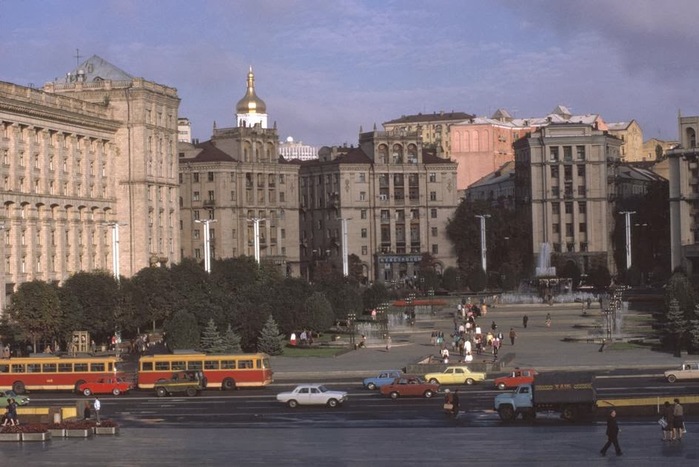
322, 389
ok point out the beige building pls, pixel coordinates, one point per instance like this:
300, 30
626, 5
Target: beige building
395, 197
565, 176
655, 146
434, 128
75, 161
145, 171
684, 197
234, 179
631, 134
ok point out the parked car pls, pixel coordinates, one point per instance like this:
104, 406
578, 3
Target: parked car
384, 377
312, 394
409, 386
456, 375
514, 379
688, 370
190, 383
108, 385
5, 396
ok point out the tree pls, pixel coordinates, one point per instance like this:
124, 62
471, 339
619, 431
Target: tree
374, 296
90, 302
477, 280
211, 341
230, 342
271, 341
36, 309
355, 269
450, 279
319, 312
676, 326
680, 288
182, 331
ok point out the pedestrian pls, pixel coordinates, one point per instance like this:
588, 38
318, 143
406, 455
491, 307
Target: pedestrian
448, 402
669, 417
493, 326
525, 320
86, 411
455, 403
678, 421
97, 406
13, 412
468, 358
548, 320
513, 336
388, 343
612, 434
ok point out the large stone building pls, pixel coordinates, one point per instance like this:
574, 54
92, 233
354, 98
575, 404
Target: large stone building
565, 177
395, 198
631, 135
684, 197
434, 128
79, 158
237, 179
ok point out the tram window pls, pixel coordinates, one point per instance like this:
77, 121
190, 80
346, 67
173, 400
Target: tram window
228, 364
178, 366
162, 366
65, 367
80, 367
194, 365
49, 368
33, 368
147, 366
211, 364
18, 368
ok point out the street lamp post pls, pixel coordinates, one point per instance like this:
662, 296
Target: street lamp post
345, 252
115, 247
484, 249
256, 236
207, 242
627, 219
351, 317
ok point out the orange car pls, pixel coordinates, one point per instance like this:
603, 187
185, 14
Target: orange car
517, 377
409, 386
114, 386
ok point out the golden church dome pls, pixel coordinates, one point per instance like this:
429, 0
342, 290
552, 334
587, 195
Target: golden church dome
250, 103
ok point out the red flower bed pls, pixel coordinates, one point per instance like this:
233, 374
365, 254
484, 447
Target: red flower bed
81, 424
28, 428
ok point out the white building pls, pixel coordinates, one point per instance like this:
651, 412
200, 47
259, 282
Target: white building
291, 149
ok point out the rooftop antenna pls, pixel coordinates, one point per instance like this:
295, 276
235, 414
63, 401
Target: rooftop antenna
77, 57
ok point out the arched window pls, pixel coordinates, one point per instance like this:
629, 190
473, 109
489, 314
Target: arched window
691, 137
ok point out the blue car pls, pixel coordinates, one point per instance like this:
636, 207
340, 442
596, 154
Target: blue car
384, 377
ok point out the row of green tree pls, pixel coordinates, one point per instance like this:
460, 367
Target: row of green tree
238, 296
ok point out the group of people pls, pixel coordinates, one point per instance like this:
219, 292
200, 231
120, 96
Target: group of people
673, 416
10, 416
305, 338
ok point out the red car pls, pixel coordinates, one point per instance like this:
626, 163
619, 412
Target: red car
109, 385
409, 386
517, 377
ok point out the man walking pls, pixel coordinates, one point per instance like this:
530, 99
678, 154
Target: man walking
97, 406
612, 434
525, 320
513, 336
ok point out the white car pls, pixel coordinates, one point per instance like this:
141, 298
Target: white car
312, 394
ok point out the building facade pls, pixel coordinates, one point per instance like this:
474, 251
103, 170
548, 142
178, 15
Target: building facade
684, 197
296, 150
145, 174
565, 176
434, 128
234, 180
394, 199
631, 135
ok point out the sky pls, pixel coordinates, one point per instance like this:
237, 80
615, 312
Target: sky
326, 68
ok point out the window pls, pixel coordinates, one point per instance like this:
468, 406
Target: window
580, 151
364, 233
365, 250
434, 231
569, 207
211, 364
210, 176
555, 192
212, 196
554, 171
567, 153
569, 229
553, 153
362, 213
433, 177
556, 208
435, 249
362, 177
362, 196
196, 215
433, 213
582, 207
195, 196
195, 177
581, 170
433, 196
582, 227
556, 228
195, 234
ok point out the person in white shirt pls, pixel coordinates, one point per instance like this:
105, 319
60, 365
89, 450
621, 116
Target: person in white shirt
97, 406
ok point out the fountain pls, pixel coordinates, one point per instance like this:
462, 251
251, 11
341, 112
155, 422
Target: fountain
543, 267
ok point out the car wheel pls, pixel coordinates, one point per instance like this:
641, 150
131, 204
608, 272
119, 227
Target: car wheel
395, 395
191, 392
332, 403
78, 383
434, 381
228, 384
670, 379
87, 392
570, 413
292, 403
18, 387
502, 386
371, 386
507, 413
161, 391
428, 394
116, 391
469, 381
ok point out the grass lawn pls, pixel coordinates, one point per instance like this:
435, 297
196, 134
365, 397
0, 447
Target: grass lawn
312, 351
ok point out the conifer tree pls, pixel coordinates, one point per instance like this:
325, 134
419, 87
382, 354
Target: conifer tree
211, 341
271, 341
676, 325
231, 341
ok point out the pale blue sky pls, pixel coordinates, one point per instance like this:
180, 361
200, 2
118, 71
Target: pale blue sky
327, 67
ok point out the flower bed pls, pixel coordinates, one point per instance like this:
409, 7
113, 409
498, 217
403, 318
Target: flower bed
68, 429
28, 432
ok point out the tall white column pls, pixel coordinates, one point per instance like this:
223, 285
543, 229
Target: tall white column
256, 236
207, 242
484, 248
627, 219
345, 247
115, 248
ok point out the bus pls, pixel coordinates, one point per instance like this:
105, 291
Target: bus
51, 372
221, 371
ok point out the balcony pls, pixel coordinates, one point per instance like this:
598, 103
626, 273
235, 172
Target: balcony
209, 202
